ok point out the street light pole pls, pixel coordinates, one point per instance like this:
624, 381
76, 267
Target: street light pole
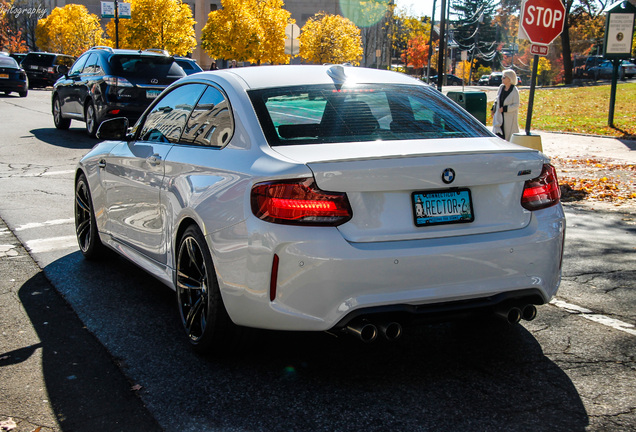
116, 25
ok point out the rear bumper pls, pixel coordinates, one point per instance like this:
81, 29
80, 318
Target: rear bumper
12, 86
324, 281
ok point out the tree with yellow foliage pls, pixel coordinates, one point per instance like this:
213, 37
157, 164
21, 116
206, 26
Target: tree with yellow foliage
247, 30
329, 38
69, 30
162, 24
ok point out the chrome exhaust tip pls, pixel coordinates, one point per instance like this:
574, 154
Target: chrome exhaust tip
512, 315
365, 331
529, 312
391, 330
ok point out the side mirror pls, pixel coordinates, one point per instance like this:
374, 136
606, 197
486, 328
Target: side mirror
113, 129
61, 69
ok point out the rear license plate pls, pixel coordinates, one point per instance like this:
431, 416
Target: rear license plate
442, 207
5, 76
152, 94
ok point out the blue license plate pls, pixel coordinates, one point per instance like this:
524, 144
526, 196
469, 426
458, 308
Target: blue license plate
442, 207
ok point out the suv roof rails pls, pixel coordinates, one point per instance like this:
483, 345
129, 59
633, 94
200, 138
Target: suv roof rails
156, 50
103, 47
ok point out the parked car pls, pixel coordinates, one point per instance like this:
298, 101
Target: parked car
591, 62
484, 80
321, 198
12, 77
626, 69
106, 82
43, 68
188, 65
451, 80
495, 79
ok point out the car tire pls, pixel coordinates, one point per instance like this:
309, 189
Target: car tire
90, 117
60, 122
24, 93
85, 225
203, 314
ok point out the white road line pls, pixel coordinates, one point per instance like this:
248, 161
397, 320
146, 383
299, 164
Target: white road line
597, 318
51, 244
44, 224
47, 173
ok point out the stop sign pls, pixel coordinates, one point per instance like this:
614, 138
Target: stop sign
542, 20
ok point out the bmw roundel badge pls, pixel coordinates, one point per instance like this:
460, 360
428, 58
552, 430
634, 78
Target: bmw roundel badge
448, 175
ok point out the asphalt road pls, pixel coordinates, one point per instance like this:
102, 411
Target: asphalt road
571, 369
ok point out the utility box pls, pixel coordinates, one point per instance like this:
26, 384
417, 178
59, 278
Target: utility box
472, 101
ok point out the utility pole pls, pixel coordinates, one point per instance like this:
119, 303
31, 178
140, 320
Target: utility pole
441, 69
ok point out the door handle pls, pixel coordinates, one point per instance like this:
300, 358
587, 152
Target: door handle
155, 159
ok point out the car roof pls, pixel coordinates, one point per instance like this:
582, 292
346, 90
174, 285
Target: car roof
256, 77
123, 51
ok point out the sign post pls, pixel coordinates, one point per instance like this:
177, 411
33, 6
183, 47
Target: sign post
617, 44
541, 23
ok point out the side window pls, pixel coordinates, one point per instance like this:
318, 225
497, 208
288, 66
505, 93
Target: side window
167, 119
89, 67
79, 65
211, 123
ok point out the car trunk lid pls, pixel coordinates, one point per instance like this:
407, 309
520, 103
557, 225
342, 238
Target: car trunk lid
384, 180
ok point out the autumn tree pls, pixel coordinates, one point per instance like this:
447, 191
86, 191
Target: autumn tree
161, 24
406, 29
247, 30
329, 38
416, 54
11, 40
69, 30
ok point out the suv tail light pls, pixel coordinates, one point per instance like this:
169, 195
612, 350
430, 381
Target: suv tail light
299, 202
543, 191
117, 81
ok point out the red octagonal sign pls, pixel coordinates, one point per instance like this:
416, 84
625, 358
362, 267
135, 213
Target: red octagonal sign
543, 20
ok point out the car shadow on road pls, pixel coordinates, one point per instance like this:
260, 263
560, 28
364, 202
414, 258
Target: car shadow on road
477, 375
73, 138
86, 390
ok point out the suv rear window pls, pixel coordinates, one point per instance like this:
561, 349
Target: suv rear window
137, 66
39, 59
326, 114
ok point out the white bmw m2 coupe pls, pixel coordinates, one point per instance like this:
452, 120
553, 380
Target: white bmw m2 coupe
322, 198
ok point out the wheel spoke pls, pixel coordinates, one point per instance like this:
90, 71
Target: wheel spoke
82, 202
196, 314
83, 229
196, 260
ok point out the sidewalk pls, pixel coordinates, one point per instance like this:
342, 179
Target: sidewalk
54, 375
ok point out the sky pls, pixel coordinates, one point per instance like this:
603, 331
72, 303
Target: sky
420, 7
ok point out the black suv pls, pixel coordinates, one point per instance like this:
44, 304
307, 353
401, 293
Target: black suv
106, 83
42, 68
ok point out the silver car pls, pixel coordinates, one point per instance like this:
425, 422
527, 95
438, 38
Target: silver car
322, 198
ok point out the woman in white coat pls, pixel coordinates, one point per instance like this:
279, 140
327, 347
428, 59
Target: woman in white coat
506, 108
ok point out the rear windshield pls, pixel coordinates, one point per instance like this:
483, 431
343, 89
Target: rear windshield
137, 66
8, 62
326, 114
39, 59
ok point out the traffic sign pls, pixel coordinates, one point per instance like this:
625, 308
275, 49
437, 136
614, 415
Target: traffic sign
541, 50
541, 21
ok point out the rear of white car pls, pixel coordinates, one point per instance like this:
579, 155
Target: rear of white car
393, 223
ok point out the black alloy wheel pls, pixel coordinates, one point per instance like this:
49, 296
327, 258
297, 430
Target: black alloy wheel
85, 226
60, 122
201, 308
91, 120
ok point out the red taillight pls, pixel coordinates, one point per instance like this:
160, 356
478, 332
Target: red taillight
542, 191
299, 202
114, 111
